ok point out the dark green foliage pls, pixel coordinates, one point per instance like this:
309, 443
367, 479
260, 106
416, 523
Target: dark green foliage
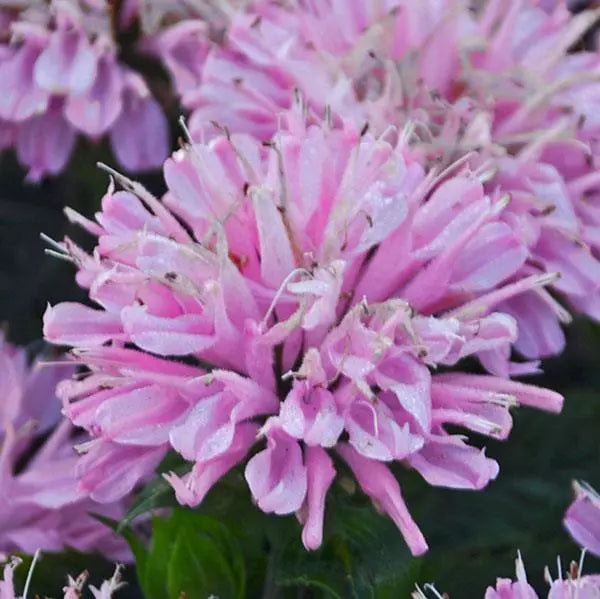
192, 556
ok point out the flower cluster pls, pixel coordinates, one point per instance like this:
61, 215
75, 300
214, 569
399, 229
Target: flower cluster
62, 74
500, 87
574, 586
298, 294
74, 587
41, 507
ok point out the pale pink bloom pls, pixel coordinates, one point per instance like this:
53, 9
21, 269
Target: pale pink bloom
41, 506
509, 589
73, 590
63, 76
574, 586
454, 80
582, 519
312, 286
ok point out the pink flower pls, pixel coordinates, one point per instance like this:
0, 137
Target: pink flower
575, 586
41, 506
73, 590
454, 81
63, 77
508, 589
299, 294
582, 519
182, 48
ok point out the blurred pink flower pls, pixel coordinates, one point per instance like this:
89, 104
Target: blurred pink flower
41, 507
500, 87
582, 519
300, 292
73, 590
573, 586
62, 77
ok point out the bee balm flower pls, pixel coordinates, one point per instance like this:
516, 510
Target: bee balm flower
296, 295
41, 507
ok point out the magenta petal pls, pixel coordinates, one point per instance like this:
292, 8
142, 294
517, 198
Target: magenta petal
139, 137
140, 417
540, 334
381, 486
375, 434
582, 519
276, 476
208, 430
75, 324
192, 488
44, 143
179, 336
21, 98
528, 395
109, 471
448, 462
311, 415
320, 472
97, 109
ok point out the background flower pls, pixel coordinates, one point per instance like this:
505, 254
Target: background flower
41, 506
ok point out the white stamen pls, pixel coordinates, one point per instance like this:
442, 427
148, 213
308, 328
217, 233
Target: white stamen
263, 322
36, 556
520, 568
52, 242
430, 587
186, 131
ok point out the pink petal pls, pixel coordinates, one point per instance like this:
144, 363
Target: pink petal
276, 476
382, 487
77, 325
320, 472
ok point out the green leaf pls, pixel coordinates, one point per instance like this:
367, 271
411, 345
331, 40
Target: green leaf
157, 493
205, 559
153, 578
191, 555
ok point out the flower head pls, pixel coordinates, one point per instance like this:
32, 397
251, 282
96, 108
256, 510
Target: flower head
74, 587
297, 295
62, 74
574, 586
500, 88
41, 507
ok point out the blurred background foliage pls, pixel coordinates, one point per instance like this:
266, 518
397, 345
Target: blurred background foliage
229, 548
